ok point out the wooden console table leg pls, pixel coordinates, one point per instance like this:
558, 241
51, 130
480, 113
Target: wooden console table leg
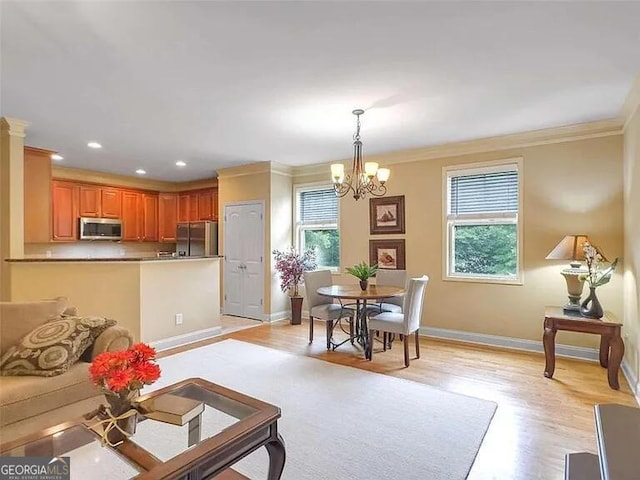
277, 457
615, 358
549, 342
604, 350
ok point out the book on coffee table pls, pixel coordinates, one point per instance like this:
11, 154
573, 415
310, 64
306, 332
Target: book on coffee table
171, 409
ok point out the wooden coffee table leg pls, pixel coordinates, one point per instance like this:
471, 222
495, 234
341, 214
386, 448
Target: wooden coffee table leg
604, 350
277, 457
615, 358
549, 342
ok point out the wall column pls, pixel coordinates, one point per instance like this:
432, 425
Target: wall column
12, 132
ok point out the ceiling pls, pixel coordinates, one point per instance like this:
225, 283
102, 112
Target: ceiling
219, 84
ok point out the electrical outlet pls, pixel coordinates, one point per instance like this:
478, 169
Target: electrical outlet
49, 254
178, 319
121, 252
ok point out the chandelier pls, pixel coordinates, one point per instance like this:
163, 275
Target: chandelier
360, 181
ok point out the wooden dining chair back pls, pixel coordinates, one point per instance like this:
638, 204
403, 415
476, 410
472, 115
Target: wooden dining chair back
392, 278
322, 307
404, 323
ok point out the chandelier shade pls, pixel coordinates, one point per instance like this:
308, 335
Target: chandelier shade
365, 177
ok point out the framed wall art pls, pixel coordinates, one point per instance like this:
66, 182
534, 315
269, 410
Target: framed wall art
388, 254
386, 215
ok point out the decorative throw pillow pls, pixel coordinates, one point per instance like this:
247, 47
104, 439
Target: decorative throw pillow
53, 347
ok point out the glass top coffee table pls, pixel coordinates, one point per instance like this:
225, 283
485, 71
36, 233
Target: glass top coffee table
227, 427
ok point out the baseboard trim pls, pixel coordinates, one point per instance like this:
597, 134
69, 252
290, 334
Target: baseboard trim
179, 340
509, 342
632, 380
276, 317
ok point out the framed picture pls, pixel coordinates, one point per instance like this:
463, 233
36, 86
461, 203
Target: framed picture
386, 215
388, 254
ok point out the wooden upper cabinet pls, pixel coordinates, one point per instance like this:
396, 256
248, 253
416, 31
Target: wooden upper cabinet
150, 218
90, 200
183, 208
37, 195
131, 216
167, 216
205, 205
64, 211
193, 207
111, 202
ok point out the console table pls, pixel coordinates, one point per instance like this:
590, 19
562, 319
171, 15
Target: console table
611, 345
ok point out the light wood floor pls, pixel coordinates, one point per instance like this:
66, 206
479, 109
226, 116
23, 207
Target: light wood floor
538, 420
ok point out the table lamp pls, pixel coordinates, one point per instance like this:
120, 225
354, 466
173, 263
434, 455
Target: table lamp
571, 248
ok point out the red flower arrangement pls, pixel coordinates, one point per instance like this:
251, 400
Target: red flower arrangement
125, 372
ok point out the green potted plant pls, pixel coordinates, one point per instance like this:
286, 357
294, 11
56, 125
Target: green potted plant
363, 271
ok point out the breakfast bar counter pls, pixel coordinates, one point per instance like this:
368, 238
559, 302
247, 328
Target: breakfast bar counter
161, 300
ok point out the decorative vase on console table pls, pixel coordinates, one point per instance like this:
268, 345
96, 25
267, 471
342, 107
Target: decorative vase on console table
591, 307
291, 266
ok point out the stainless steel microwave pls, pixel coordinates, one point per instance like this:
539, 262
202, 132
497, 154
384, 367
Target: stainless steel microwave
100, 228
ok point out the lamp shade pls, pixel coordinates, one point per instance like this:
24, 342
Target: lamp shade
569, 248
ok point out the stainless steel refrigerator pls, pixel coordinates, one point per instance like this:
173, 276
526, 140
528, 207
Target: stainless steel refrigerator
197, 239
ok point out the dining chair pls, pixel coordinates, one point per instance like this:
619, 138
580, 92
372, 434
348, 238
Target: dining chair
404, 323
321, 306
391, 278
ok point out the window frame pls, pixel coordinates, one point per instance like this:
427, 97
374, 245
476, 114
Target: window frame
449, 221
299, 228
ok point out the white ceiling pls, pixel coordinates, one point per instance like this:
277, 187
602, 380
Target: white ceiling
218, 84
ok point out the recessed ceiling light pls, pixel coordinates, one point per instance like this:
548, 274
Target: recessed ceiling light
55, 156
180, 163
94, 145
141, 171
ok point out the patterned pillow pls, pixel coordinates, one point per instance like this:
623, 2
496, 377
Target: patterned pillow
53, 347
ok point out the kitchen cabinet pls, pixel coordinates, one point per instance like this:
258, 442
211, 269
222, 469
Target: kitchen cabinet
167, 216
183, 207
111, 202
90, 201
149, 217
193, 207
205, 205
37, 195
64, 211
131, 216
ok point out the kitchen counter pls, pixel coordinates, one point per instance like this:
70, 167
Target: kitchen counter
160, 300
110, 259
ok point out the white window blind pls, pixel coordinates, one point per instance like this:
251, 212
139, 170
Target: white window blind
485, 192
318, 206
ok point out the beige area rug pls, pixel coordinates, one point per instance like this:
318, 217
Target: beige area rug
341, 423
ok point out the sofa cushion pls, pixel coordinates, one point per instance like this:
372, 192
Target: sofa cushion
53, 347
23, 397
19, 318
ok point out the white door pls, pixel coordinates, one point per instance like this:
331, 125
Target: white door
244, 260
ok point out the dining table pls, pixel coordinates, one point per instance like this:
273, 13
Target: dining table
361, 303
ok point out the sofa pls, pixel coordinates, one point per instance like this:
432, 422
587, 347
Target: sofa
22, 397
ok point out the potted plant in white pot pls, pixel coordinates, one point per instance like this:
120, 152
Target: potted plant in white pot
291, 265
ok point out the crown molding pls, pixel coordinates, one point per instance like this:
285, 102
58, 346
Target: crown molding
13, 126
256, 169
631, 103
244, 170
569, 133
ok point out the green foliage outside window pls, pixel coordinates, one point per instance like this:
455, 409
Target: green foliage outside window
486, 249
327, 244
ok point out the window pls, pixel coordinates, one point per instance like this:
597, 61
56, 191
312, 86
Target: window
483, 223
317, 224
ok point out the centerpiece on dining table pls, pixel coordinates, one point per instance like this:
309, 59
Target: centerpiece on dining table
120, 376
363, 271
